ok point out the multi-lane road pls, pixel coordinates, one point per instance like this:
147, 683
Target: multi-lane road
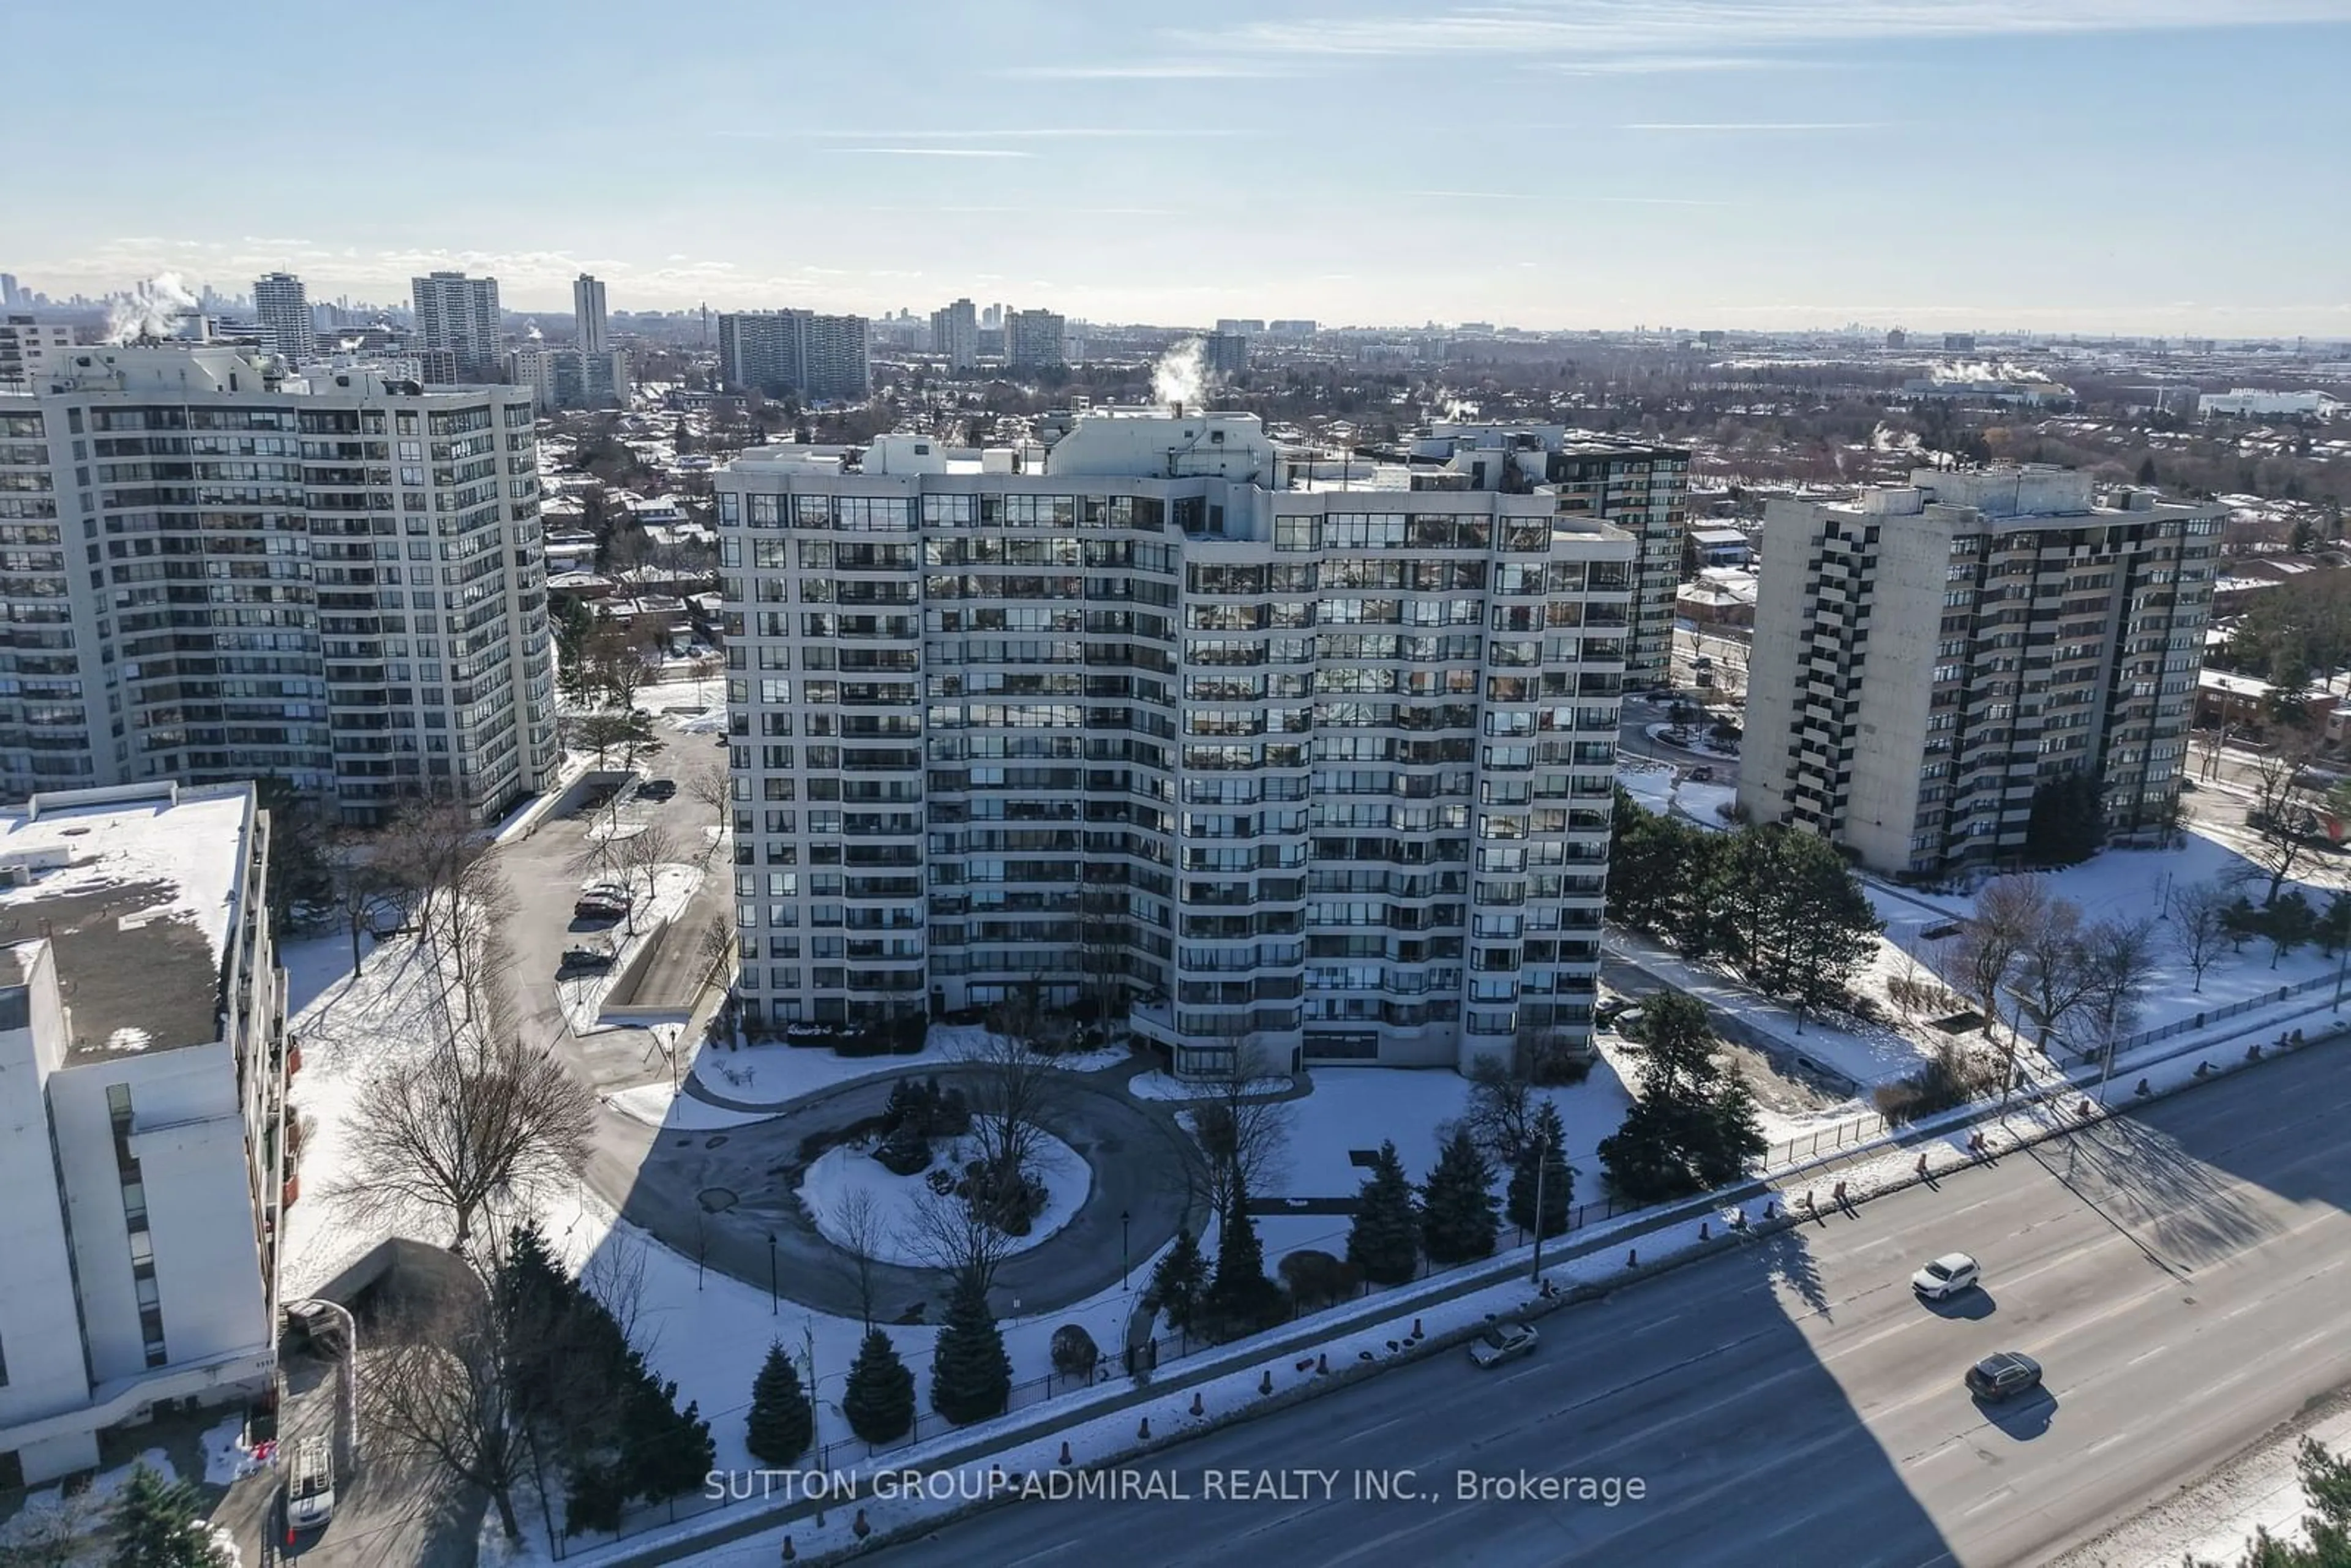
2181, 1274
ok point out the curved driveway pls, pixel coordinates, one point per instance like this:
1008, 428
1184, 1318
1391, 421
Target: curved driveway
657, 1180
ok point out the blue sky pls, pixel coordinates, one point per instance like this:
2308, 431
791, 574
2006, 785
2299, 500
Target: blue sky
2097, 165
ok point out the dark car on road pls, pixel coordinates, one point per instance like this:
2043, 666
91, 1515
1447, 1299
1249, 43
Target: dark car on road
2004, 1376
657, 788
584, 961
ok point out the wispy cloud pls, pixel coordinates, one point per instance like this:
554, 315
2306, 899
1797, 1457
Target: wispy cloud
1049, 212
934, 151
1756, 125
1654, 65
1579, 197
1031, 133
1602, 29
1149, 70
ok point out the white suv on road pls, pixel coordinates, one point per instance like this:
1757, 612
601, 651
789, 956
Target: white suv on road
1946, 1276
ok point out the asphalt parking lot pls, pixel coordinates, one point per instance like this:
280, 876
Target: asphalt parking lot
547, 869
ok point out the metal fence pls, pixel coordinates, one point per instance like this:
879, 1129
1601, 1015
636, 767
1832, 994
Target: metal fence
2084, 1057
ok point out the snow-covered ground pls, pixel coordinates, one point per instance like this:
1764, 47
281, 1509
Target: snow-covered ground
655, 1105
1867, 1053
348, 1027
841, 1174
2131, 884
1353, 1108
770, 1072
1660, 789
1167, 1087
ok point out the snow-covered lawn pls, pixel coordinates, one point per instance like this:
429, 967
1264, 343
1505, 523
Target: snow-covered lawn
771, 1073
1658, 787
1354, 1108
350, 1027
2131, 884
846, 1170
582, 999
1157, 1085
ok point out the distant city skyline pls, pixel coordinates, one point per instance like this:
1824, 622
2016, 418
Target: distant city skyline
2134, 166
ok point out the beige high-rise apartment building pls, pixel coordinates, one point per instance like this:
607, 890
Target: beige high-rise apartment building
1926, 656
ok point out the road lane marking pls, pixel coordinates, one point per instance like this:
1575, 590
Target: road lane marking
2106, 1443
1991, 1501
1358, 1437
2147, 1355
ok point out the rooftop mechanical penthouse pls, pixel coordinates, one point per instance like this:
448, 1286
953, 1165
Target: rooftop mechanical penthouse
1260, 746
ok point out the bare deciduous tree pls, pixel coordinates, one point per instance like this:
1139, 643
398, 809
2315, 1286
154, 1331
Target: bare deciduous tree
426, 853
2121, 954
857, 1233
2055, 971
2283, 812
1243, 1133
1501, 1109
364, 893
439, 1385
1013, 1084
1984, 960
951, 1234
616, 667
2200, 925
475, 1124
710, 781
640, 858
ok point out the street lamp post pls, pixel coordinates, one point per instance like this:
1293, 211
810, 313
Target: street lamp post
1543, 1147
772, 1273
1125, 1270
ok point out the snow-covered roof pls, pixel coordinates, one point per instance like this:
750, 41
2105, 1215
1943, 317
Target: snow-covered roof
136, 889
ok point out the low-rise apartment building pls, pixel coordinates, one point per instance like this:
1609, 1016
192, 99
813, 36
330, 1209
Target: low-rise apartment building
142, 1076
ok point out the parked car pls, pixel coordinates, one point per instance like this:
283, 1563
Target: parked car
600, 906
2004, 1376
1502, 1341
657, 788
311, 1486
1946, 1276
1701, 775
584, 960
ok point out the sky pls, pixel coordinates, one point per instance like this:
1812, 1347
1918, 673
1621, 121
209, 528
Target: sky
2051, 165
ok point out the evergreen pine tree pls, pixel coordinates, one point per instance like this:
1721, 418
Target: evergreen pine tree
1241, 1299
1384, 1241
1176, 1284
1457, 1206
971, 1377
1557, 1183
880, 1399
159, 1523
781, 1424
1695, 1126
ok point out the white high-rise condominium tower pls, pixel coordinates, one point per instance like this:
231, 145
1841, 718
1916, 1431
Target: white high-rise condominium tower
955, 334
215, 574
1639, 487
283, 309
588, 314
1265, 748
1927, 656
458, 326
